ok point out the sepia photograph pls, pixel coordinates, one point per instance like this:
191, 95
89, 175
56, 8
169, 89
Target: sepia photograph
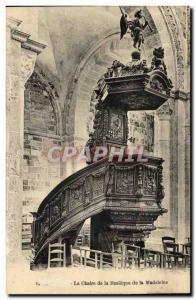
98, 150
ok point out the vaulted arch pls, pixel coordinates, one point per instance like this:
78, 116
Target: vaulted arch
40, 84
110, 47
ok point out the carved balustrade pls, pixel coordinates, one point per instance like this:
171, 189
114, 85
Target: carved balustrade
129, 188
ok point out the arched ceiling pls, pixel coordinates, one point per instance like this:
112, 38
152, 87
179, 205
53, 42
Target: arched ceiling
83, 41
71, 32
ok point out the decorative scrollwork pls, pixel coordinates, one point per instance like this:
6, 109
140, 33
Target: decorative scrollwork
158, 86
160, 190
76, 197
139, 190
178, 48
109, 178
88, 190
150, 181
98, 186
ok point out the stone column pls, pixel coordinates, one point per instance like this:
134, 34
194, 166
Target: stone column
21, 55
163, 148
164, 151
181, 171
187, 166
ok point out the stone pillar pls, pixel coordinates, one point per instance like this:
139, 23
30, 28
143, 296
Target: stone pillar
181, 177
102, 235
21, 55
187, 166
163, 148
164, 151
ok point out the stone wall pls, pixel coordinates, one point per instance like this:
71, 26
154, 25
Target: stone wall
21, 54
39, 174
41, 133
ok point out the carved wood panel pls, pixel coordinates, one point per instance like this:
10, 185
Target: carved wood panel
55, 210
98, 186
65, 201
124, 181
88, 190
149, 181
76, 194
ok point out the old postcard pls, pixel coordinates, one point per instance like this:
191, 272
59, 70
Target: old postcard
98, 150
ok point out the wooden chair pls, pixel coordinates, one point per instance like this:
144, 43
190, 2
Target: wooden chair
57, 255
127, 255
188, 240
168, 239
152, 258
171, 256
118, 254
132, 255
186, 250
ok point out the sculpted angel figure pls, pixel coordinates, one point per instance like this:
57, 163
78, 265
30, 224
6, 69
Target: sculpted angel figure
136, 27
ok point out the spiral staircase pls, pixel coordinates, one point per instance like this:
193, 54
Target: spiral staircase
122, 198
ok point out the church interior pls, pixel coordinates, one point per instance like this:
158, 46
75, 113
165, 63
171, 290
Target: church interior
55, 57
